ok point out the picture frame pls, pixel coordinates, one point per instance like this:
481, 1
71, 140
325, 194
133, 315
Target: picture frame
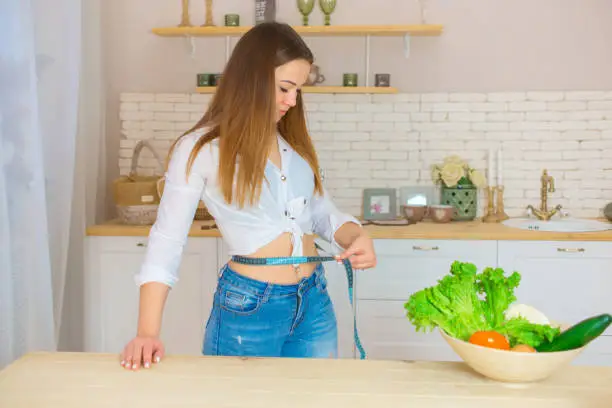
379, 204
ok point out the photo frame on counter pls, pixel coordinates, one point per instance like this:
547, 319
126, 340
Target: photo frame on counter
379, 204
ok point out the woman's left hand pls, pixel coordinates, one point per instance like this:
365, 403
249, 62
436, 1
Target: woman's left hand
360, 253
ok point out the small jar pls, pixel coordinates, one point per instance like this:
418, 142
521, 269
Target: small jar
349, 79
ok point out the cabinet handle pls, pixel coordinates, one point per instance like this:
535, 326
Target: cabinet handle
424, 248
141, 244
570, 249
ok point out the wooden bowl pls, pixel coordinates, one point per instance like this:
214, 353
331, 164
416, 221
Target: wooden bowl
511, 366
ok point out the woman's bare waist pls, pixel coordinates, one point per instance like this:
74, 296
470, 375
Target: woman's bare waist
280, 274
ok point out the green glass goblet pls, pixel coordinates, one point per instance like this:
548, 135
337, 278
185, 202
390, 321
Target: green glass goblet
328, 7
305, 7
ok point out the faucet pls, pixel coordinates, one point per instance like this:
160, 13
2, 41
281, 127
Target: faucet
547, 185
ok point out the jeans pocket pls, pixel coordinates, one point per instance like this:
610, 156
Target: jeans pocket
239, 301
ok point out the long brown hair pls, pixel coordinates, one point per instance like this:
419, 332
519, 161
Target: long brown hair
242, 113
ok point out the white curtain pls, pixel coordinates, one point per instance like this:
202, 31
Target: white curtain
50, 138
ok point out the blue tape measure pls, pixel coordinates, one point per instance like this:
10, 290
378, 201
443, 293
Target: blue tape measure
293, 260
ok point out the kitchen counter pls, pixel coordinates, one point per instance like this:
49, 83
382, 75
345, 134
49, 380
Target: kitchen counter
469, 230
70, 380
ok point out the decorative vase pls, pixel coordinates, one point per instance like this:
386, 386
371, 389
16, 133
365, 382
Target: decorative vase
305, 7
328, 7
464, 198
265, 10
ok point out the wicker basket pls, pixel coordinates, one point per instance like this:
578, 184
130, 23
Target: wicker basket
137, 197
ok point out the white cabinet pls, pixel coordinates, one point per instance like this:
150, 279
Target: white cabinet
404, 267
111, 295
568, 281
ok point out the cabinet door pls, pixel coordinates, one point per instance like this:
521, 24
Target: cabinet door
404, 267
112, 295
567, 281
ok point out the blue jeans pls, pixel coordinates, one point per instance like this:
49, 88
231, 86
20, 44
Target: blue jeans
258, 319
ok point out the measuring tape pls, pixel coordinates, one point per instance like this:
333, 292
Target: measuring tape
293, 260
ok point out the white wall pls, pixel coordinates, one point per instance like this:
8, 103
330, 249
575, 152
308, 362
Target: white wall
391, 140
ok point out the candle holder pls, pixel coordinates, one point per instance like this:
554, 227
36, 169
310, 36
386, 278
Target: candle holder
208, 22
500, 212
185, 14
490, 215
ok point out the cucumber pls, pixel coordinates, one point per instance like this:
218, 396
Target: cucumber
579, 335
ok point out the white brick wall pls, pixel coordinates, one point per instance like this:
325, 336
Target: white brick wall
391, 140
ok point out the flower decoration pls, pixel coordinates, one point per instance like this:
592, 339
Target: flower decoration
454, 172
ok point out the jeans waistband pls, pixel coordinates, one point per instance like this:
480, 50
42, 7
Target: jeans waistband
229, 276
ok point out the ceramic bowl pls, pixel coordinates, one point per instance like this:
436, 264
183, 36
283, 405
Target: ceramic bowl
414, 213
441, 213
511, 366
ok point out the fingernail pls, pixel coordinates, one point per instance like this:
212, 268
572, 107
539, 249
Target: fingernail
122, 362
134, 366
146, 365
157, 359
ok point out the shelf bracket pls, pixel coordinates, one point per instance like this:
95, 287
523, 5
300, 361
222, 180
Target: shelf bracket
407, 45
367, 60
192, 48
227, 48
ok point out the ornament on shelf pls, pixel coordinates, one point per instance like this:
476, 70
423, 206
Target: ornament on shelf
265, 10
208, 22
423, 10
328, 7
305, 7
185, 14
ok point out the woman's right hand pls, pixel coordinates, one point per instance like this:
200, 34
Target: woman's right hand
142, 351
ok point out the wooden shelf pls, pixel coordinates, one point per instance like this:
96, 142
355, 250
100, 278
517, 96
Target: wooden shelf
327, 89
346, 30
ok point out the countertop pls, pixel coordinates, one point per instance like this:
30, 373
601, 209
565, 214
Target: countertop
70, 380
467, 230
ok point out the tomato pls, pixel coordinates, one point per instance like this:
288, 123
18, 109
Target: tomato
490, 339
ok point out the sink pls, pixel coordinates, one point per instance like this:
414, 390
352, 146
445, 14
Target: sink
566, 224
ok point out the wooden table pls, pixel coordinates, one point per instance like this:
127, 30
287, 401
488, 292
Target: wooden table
70, 380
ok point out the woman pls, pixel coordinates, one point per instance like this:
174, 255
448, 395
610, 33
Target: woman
251, 161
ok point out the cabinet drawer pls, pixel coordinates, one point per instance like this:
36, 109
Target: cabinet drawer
135, 245
407, 266
559, 249
432, 248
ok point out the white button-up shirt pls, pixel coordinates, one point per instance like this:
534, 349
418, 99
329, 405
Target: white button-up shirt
287, 204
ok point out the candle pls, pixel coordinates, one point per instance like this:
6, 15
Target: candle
499, 168
490, 170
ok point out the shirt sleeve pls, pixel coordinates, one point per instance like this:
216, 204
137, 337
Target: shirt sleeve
179, 201
327, 219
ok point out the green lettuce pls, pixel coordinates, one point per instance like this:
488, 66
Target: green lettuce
465, 301
519, 330
452, 305
498, 291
